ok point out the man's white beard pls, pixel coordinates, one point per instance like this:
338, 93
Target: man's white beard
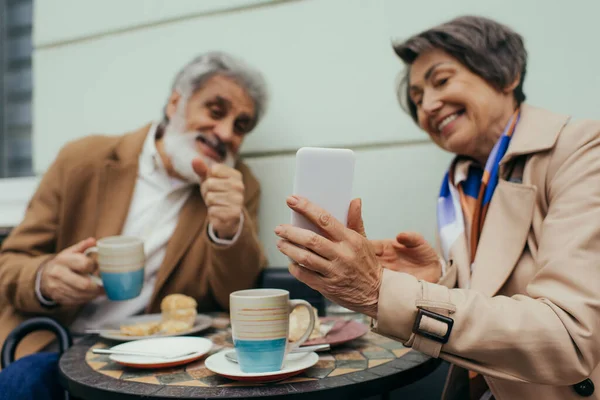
180, 147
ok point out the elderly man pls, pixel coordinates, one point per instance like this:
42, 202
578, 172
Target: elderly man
176, 184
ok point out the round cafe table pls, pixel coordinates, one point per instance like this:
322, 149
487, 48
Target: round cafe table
369, 366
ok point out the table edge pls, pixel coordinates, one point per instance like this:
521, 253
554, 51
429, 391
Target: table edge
343, 385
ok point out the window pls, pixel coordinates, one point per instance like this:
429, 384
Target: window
16, 17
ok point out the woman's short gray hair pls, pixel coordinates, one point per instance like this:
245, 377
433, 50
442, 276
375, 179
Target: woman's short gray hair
197, 72
489, 49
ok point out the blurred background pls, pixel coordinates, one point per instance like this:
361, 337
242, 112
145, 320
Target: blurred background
70, 68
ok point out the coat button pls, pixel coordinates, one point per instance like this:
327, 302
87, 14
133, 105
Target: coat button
584, 388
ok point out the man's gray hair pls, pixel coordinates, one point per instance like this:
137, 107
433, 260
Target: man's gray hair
197, 72
489, 49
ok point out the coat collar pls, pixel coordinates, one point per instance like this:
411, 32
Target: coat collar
510, 213
127, 150
536, 131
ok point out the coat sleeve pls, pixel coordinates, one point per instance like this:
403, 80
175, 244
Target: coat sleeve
551, 334
31, 244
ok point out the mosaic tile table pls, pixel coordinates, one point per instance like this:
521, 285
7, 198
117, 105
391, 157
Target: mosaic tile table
365, 367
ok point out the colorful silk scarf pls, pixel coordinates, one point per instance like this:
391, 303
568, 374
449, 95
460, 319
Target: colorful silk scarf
466, 193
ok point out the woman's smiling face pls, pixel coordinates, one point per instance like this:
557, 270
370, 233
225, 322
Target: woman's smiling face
461, 112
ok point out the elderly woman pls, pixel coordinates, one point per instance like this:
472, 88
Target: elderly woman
516, 301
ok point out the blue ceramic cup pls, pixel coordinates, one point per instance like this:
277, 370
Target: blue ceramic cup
260, 320
121, 262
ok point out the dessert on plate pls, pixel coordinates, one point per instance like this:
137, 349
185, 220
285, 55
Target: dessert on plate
178, 314
299, 321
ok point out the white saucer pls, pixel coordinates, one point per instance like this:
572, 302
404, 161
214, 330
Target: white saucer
167, 345
293, 365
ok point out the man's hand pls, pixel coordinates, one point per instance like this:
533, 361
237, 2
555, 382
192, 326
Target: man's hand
65, 278
223, 191
409, 253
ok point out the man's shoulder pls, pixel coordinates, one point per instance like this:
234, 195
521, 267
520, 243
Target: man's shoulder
90, 146
97, 147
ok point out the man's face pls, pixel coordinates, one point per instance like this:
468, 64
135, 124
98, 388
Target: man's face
210, 125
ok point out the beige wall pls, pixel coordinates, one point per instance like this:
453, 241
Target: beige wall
105, 66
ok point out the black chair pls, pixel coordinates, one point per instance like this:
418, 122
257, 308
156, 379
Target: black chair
280, 278
4, 232
9, 348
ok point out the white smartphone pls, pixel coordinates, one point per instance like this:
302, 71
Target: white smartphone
324, 176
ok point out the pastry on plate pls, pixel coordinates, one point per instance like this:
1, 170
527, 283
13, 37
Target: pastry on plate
173, 326
140, 329
177, 301
299, 321
179, 307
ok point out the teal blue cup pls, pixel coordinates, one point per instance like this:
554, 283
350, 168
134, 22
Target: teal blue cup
121, 261
123, 285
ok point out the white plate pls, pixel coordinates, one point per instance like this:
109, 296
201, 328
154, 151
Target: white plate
293, 365
202, 322
167, 345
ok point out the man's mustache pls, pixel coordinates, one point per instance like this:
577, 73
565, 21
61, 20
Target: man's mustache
214, 142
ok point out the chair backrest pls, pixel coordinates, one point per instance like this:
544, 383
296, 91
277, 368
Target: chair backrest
280, 278
9, 348
4, 232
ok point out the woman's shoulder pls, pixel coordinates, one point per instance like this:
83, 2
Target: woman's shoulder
575, 153
577, 136
581, 130
561, 142
562, 134
564, 128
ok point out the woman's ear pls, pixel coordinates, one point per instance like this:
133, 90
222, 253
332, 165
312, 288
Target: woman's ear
513, 85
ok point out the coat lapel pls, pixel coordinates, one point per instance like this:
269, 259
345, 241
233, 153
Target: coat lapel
504, 235
508, 220
115, 190
536, 131
191, 221
459, 256
116, 183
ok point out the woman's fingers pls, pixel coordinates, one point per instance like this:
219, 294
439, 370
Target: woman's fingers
332, 228
304, 257
308, 239
306, 276
410, 239
355, 221
379, 246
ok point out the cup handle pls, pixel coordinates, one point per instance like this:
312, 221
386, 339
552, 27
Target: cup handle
311, 325
94, 278
90, 250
